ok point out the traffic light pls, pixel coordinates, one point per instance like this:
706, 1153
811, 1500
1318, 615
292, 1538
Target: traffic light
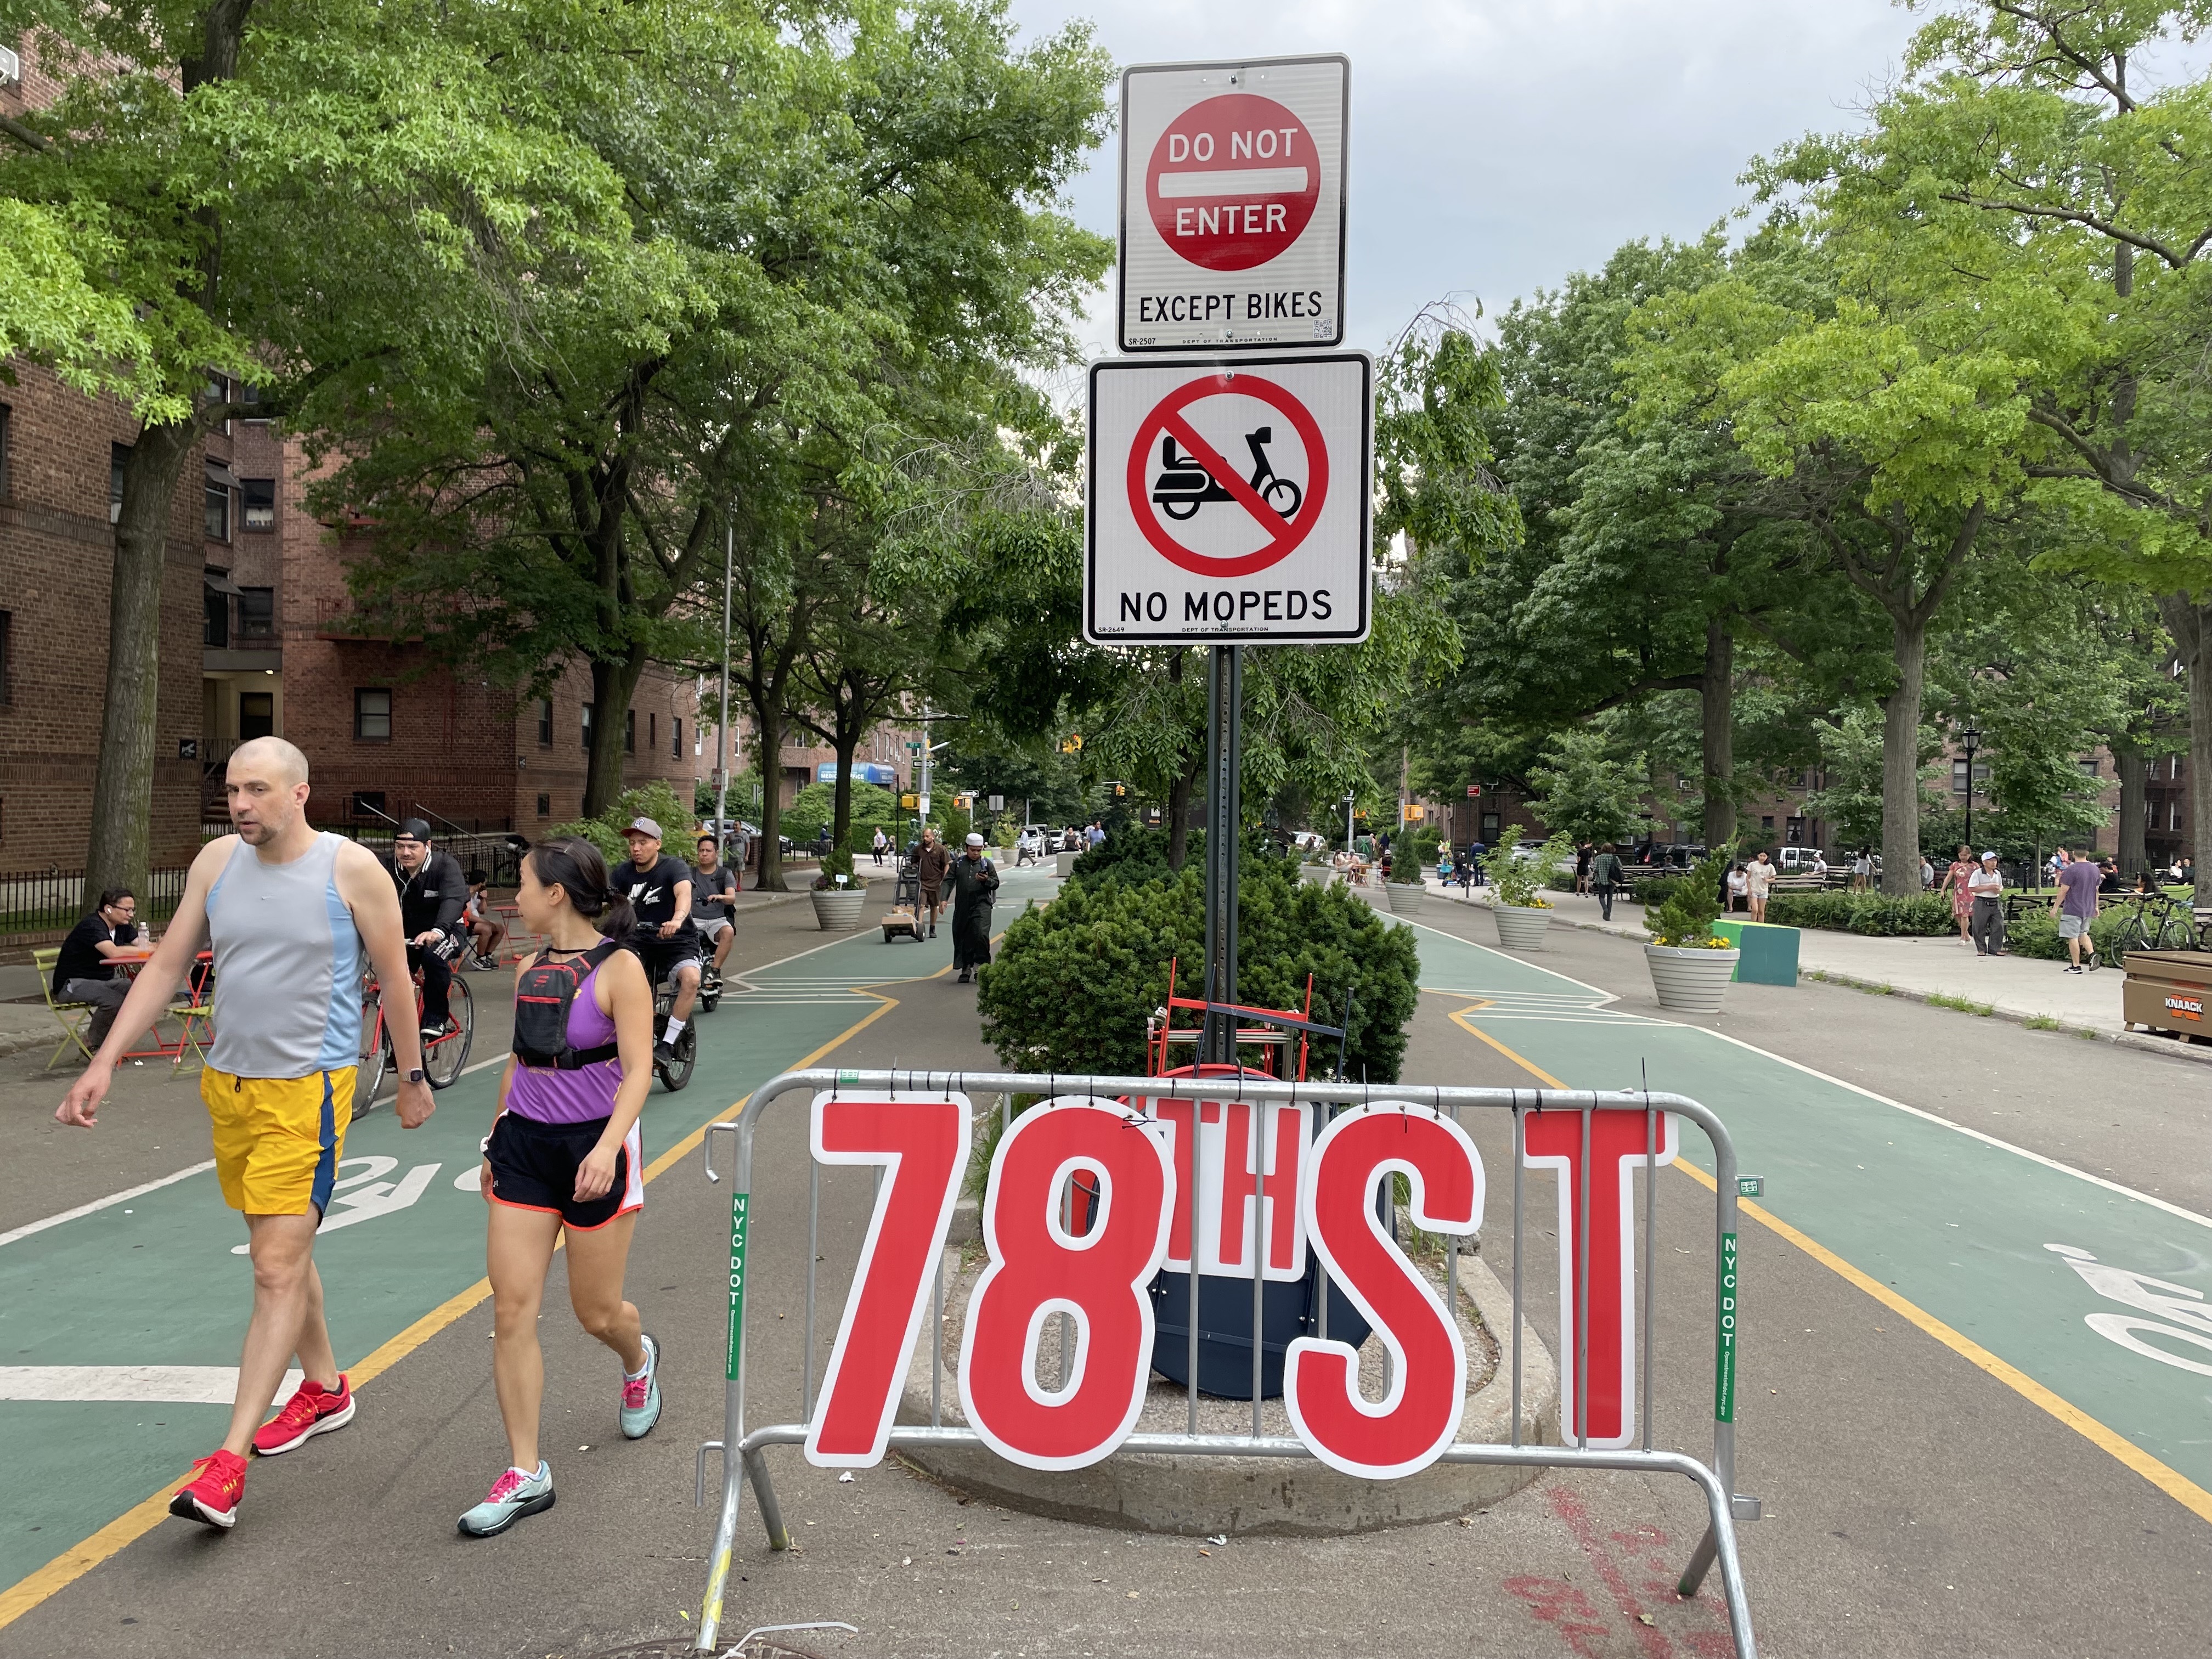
1072, 744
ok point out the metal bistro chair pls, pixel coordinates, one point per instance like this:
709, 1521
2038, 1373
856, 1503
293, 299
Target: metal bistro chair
71, 1016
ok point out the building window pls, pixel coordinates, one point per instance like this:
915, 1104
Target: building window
1793, 829
2174, 813
630, 731
1959, 776
587, 728
2173, 768
257, 500
676, 740
7, 657
2088, 766
4, 412
1766, 826
256, 613
249, 394
545, 807
372, 715
545, 722
215, 620
217, 509
257, 714
651, 731
368, 802
117, 455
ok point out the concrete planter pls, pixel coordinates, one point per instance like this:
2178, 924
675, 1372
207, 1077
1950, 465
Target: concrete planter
1063, 864
1317, 875
1689, 980
838, 909
1405, 899
1520, 929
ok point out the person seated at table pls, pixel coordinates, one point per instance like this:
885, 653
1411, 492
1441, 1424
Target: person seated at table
486, 930
85, 970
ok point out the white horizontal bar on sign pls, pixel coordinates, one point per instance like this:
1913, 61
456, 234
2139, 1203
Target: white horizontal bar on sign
177, 1385
1233, 181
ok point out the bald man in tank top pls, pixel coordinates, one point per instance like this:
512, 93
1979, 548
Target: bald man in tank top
290, 914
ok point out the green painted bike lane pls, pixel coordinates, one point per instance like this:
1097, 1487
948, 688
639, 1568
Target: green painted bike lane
1958, 1224
154, 1280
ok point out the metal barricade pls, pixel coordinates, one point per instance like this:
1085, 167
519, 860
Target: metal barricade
1716, 1480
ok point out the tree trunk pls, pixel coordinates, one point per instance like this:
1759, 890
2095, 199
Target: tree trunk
2190, 622
1717, 687
845, 741
613, 685
2133, 768
1900, 759
770, 742
116, 852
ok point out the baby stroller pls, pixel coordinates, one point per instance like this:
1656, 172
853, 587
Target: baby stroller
905, 914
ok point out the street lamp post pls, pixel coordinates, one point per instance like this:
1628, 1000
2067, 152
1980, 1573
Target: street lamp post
1970, 741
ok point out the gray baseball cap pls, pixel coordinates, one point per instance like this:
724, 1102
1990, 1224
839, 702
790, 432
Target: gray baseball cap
642, 825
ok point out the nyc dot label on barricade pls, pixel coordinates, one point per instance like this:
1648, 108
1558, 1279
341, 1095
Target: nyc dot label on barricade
1229, 500
1232, 203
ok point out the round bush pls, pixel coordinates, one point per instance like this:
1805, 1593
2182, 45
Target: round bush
1074, 982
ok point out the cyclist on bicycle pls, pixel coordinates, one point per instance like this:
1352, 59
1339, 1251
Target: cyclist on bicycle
431, 896
659, 889
714, 891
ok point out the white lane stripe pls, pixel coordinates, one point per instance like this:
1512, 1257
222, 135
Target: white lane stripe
98, 1204
174, 1385
1234, 182
1987, 1140
2155, 1202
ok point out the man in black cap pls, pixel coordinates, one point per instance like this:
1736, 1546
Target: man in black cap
431, 896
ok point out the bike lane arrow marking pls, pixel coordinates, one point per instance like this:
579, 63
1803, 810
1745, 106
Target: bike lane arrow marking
1167, 417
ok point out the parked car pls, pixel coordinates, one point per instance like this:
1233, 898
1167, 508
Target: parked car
1796, 859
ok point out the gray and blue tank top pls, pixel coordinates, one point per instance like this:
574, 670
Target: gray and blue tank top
288, 965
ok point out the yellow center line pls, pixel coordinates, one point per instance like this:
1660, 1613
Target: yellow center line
140, 1519
2169, 1480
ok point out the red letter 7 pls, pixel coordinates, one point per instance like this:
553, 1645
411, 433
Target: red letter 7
921, 1142
1428, 1370
1553, 1140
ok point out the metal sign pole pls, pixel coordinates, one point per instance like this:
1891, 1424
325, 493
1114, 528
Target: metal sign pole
1224, 708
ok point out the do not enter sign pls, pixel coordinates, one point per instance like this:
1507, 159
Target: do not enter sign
1233, 182
1232, 204
1229, 500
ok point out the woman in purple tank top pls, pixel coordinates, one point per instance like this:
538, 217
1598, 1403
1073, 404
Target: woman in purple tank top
564, 1155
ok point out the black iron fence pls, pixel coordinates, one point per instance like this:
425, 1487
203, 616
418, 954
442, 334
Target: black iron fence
50, 900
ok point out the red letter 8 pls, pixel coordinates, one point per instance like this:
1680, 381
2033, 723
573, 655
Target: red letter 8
1038, 1267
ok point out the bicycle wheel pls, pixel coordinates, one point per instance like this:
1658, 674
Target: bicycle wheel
2129, 935
442, 1059
675, 1073
376, 1058
2176, 930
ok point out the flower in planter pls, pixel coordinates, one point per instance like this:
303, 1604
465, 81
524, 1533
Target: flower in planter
1519, 882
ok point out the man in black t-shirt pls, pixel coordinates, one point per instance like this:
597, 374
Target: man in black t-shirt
84, 971
659, 890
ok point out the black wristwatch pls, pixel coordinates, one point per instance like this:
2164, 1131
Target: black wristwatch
415, 1076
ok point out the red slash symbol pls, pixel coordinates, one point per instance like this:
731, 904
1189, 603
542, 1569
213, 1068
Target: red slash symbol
1196, 473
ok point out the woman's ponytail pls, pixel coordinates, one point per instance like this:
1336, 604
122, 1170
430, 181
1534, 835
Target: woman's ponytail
576, 866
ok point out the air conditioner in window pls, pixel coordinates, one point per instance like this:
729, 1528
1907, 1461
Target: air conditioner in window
11, 67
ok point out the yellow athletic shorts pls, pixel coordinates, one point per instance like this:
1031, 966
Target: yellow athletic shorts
278, 1139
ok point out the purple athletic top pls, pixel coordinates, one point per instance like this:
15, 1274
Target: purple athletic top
550, 1094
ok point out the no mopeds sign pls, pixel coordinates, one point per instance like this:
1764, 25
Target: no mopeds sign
1228, 500
1232, 203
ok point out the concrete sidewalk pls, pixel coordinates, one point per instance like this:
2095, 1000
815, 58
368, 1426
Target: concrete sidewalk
2010, 987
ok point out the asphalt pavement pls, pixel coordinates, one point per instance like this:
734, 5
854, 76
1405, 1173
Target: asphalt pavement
1920, 1499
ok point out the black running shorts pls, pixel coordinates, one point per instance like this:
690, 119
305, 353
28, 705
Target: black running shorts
533, 1167
663, 956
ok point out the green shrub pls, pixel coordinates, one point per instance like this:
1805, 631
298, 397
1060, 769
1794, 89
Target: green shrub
1685, 920
1650, 891
655, 800
1920, 916
1074, 982
1515, 881
2037, 935
1560, 881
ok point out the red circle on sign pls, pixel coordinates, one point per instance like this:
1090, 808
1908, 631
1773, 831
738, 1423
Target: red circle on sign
1167, 419
1200, 205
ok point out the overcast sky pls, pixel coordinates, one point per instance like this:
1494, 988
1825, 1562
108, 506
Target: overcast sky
1498, 144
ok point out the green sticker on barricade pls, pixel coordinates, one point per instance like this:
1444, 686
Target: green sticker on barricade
1724, 1356
738, 1203
849, 1077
